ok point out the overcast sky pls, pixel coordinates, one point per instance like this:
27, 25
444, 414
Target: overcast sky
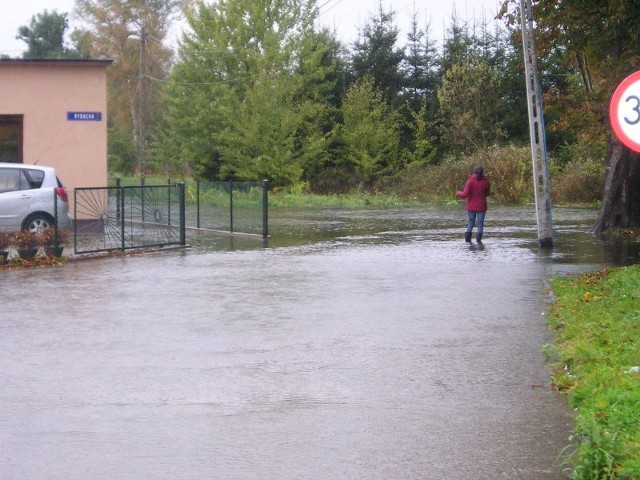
346, 16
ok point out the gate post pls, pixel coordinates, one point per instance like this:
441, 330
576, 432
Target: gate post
55, 218
117, 199
75, 221
121, 195
143, 183
183, 223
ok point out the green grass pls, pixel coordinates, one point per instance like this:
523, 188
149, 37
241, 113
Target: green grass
596, 318
286, 199
214, 193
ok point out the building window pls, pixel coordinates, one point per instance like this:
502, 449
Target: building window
11, 138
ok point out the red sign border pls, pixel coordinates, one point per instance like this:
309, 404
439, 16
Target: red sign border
613, 111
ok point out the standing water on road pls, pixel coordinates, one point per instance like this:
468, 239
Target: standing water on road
355, 345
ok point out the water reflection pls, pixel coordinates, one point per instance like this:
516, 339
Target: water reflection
507, 228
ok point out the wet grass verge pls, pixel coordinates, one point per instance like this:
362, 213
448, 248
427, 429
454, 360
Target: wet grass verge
43, 261
595, 360
16, 263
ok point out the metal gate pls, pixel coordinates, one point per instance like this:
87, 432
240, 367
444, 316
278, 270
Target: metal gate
121, 218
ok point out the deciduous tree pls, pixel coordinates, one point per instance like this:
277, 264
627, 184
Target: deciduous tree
598, 42
116, 29
252, 92
470, 107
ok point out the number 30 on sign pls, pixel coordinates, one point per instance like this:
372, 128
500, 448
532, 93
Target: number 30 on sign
624, 112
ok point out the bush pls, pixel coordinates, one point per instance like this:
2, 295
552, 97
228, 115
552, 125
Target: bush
334, 180
580, 181
53, 236
587, 148
578, 171
429, 183
25, 239
509, 170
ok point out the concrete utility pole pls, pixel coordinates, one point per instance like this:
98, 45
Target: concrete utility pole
141, 133
539, 158
142, 38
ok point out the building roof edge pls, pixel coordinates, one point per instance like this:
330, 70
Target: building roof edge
54, 61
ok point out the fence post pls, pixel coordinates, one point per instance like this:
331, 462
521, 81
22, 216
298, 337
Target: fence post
143, 182
117, 198
183, 223
198, 203
265, 208
169, 201
230, 206
55, 218
75, 221
121, 195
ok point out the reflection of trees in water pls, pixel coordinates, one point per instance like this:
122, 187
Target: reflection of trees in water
620, 251
582, 247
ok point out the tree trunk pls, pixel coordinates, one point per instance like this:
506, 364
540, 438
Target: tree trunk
621, 199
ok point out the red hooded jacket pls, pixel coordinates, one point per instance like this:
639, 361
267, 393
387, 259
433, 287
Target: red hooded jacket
476, 192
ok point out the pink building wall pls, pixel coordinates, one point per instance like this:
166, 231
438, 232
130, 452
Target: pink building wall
45, 92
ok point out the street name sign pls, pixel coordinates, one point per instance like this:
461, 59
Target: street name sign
84, 116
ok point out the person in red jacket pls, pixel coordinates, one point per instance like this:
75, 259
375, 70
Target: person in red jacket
476, 191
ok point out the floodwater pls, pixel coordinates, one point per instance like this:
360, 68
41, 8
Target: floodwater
354, 345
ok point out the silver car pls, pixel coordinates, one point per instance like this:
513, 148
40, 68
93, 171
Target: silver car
29, 195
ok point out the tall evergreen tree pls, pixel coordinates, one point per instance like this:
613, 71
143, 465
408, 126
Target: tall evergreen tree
507, 58
422, 78
420, 66
376, 55
322, 70
372, 133
45, 36
458, 44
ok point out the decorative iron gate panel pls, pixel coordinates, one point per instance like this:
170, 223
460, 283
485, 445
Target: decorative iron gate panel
121, 218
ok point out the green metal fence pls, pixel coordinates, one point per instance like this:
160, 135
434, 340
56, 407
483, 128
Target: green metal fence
229, 207
233, 207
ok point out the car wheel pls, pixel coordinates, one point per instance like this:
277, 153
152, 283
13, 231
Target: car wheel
37, 222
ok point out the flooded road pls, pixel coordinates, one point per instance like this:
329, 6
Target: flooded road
356, 345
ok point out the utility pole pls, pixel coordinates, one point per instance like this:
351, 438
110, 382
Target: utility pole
540, 162
142, 147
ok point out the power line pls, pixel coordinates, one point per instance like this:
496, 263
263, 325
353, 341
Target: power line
218, 82
337, 2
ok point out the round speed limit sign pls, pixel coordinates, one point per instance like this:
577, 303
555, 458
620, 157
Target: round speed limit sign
624, 112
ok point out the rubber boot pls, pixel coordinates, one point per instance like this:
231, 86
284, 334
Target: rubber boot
467, 237
479, 238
